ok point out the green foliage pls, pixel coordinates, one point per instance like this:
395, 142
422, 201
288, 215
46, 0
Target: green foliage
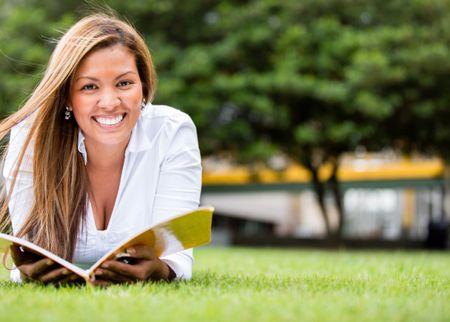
310, 79
295, 75
26, 41
258, 285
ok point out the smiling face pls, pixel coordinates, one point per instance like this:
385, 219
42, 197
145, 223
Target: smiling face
106, 96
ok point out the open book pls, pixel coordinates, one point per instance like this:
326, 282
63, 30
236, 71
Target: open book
185, 231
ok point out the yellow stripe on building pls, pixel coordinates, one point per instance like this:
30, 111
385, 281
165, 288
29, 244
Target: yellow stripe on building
364, 171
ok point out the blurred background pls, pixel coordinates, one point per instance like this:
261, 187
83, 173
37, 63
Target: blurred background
321, 122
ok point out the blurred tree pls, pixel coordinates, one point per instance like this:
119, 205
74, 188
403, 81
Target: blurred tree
308, 79
26, 41
314, 79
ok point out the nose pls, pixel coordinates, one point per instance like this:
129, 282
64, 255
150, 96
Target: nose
109, 99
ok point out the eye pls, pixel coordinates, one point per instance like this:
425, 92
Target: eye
89, 87
124, 83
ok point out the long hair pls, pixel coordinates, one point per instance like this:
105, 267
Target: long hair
60, 182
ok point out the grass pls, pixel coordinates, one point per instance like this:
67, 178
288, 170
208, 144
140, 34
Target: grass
241, 284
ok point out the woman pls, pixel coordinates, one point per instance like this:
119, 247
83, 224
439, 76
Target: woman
90, 161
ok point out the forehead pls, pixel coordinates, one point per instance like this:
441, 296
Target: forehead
109, 60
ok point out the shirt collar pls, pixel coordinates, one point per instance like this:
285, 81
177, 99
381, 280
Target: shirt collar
81, 145
138, 141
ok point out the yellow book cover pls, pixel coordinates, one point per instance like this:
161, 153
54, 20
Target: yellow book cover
185, 231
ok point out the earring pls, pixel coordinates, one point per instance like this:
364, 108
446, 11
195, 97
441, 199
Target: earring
143, 105
67, 113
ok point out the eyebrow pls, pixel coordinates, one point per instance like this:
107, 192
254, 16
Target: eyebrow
95, 79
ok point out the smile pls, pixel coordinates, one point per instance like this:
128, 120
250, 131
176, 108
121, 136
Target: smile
109, 120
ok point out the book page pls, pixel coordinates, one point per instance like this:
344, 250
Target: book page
7, 240
182, 232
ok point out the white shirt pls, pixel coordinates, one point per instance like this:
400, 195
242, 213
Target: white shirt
161, 178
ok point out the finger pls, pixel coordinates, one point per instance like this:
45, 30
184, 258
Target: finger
21, 255
137, 272
141, 252
111, 275
71, 279
55, 275
33, 270
23, 277
133, 272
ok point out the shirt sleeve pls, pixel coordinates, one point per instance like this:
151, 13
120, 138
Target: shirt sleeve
22, 196
179, 188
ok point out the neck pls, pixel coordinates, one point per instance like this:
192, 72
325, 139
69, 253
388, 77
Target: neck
105, 157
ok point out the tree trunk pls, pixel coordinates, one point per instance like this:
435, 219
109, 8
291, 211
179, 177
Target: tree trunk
338, 198
319, 189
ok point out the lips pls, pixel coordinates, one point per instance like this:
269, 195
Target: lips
109, 120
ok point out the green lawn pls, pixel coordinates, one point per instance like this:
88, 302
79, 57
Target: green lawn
239, 284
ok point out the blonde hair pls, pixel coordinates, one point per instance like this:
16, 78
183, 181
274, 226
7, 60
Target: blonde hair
60, 181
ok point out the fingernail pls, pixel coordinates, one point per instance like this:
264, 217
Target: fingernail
65, 272
105, 265
99, 271
49, 262
131, 250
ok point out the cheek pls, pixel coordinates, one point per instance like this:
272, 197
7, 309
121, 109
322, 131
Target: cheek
134, 102
78, 104
134, 97
81, 117
81, 109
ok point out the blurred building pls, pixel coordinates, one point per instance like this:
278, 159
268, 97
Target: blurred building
385, 197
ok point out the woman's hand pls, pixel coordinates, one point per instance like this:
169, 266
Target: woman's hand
36, 268
143, 266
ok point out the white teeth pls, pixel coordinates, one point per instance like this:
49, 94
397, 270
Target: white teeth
109, 120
